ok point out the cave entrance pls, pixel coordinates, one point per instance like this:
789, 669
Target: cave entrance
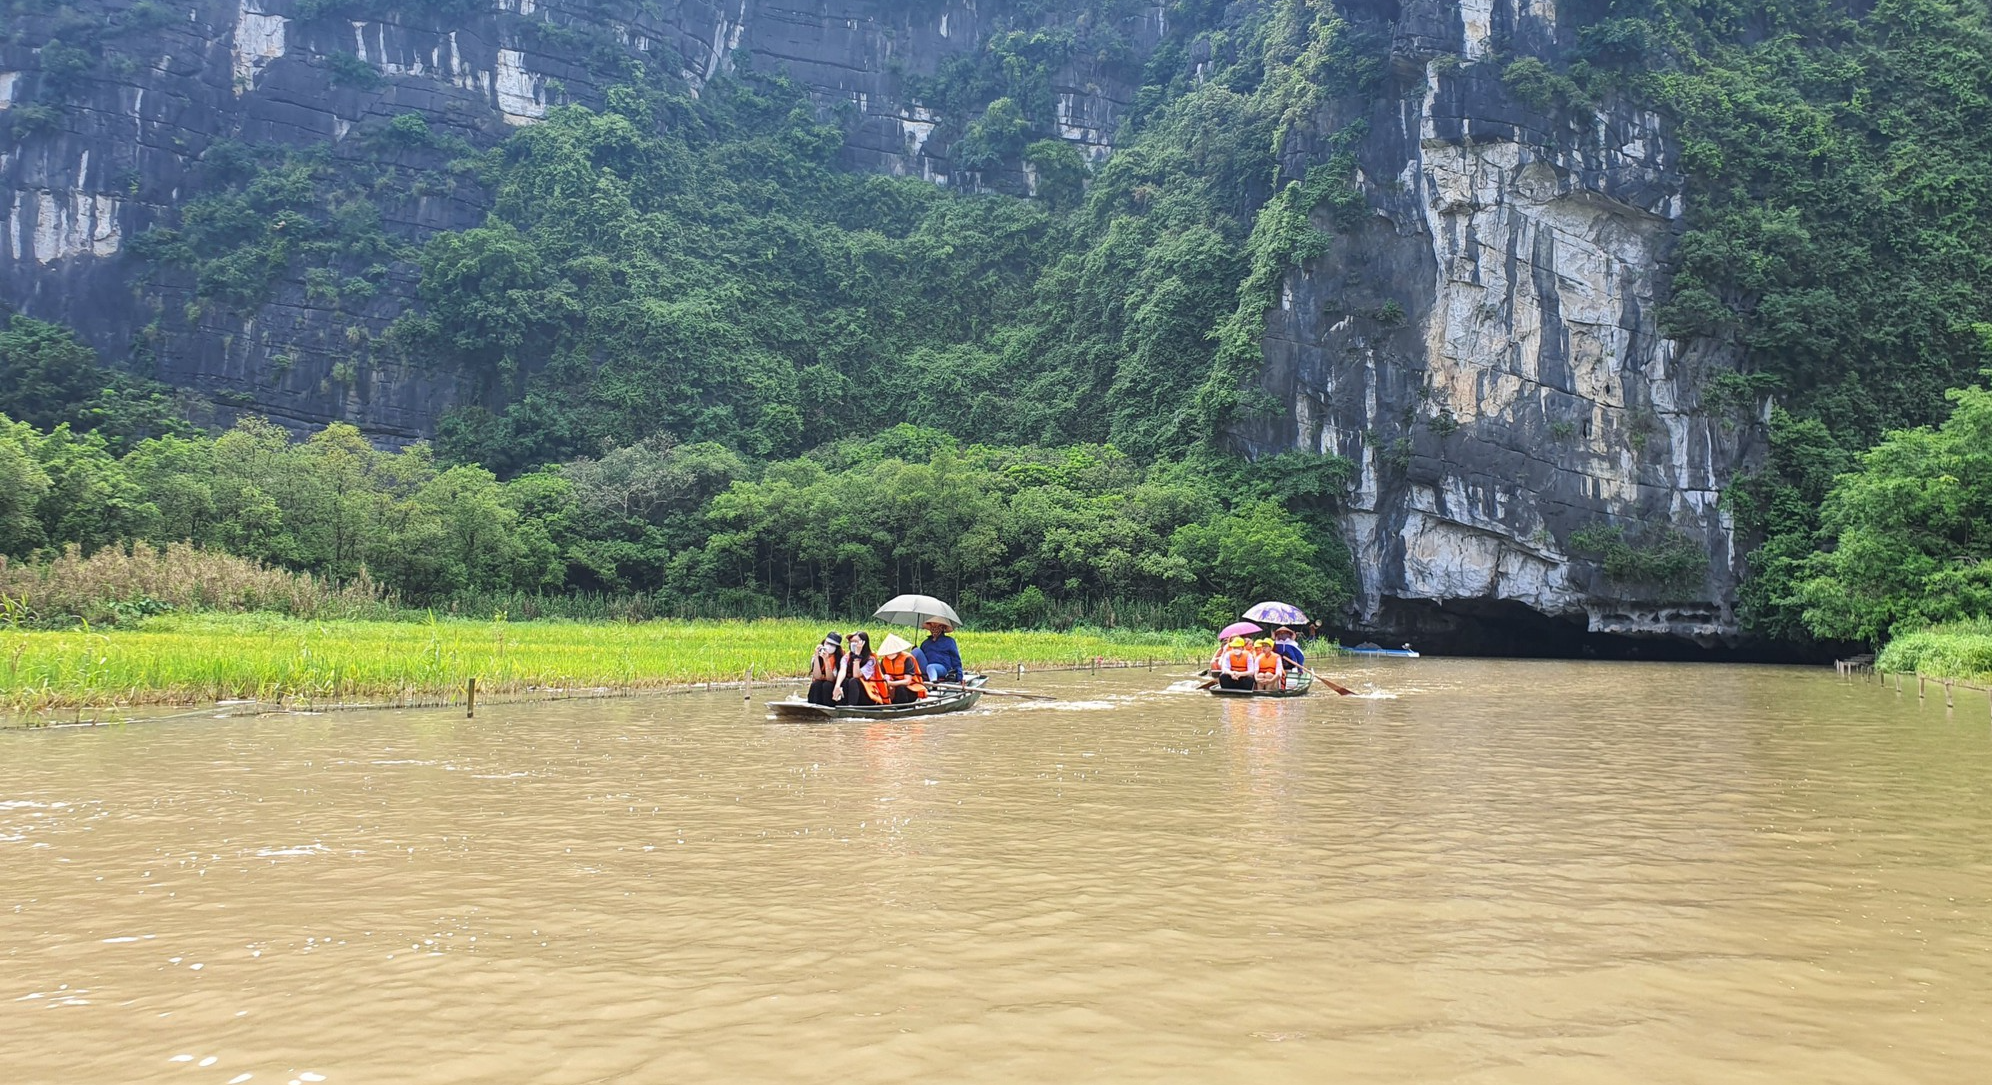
1504, 628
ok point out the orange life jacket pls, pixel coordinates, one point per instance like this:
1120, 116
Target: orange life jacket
1236, 660
1270, 662
902, 665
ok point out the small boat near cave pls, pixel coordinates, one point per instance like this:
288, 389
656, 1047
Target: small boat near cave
1367, 649
953, 700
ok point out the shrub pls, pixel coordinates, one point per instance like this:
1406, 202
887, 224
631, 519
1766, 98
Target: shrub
118, 584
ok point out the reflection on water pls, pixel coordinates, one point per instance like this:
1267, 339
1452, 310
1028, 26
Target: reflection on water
1486, 871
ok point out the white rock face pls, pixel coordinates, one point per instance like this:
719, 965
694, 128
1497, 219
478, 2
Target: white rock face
916, 125
1078, 123
1524, 393
57, 225
1477, 18
726, 34
259, 39
521, 96
8, 82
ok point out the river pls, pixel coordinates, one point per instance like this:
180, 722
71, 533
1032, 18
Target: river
1489, 871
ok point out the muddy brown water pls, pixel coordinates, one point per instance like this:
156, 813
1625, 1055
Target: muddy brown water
1485, 872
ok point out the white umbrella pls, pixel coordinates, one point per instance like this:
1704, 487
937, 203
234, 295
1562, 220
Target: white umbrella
915, 609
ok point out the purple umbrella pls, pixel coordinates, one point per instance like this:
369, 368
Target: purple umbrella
1277, 614
1238, 629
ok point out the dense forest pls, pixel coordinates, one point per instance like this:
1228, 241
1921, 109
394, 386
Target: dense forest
719, 370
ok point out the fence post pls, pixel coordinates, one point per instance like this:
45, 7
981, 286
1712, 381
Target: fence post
747, 687
470, 698
1919, 687
1950, 696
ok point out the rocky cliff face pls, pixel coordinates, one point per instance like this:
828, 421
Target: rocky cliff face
1483, 346
1533, 452
94, 158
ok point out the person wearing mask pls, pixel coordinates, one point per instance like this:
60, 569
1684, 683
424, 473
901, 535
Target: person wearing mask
860, 667
1236, 667
826, 668
898, 679
940, 657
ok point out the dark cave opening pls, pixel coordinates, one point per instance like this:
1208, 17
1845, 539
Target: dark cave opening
1504, 628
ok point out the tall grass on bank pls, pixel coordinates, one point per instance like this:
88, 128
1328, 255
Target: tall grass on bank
1957, 650
117, 584
203, 659
584, 606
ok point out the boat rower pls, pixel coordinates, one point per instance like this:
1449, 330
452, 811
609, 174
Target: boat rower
1288, 646
939, 655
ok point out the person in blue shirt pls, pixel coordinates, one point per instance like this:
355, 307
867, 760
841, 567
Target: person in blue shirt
939, 655
1288, 646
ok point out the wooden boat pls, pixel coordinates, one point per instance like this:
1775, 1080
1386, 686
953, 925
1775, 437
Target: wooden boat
795, 708
1296, 687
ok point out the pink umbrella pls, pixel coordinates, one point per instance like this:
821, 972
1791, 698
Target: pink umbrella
1238, 629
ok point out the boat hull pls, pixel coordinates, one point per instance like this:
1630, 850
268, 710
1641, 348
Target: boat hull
1296, 689
1386, 653
803, 711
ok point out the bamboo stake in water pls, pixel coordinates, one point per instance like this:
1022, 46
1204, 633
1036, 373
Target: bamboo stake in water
470, 699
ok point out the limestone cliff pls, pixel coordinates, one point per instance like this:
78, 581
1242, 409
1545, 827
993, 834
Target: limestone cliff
1484, 347
122, 148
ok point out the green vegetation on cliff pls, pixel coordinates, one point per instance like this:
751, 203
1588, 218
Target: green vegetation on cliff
1838, 161
688, 294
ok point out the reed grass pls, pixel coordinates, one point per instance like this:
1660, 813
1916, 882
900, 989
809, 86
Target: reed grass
123, 583
1956, 650
202, 659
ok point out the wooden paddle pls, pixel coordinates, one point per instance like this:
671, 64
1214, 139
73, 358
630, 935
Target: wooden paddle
995, 692
1343, 690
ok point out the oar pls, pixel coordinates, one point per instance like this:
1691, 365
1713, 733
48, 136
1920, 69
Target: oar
1343, 690
996, 692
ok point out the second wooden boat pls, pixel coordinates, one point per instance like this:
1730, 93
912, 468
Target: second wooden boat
954, 700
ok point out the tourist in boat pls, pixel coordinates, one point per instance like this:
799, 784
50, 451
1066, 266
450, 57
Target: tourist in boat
898, 679
1236, 666
826, 670
1288, 646
1270, 672
940, 657
860, 667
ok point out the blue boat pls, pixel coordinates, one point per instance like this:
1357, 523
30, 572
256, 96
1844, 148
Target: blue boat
1367, 649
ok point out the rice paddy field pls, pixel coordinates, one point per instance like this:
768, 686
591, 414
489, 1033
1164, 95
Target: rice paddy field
195, 660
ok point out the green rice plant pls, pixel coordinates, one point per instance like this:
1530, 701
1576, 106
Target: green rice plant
174, 659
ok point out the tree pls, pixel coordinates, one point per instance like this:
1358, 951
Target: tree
1908, 536
23, 485
45, 374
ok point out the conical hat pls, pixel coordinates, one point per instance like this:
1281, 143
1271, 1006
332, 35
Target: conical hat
894, 644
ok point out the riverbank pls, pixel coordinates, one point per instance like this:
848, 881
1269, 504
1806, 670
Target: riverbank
1960, 651
189, 660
